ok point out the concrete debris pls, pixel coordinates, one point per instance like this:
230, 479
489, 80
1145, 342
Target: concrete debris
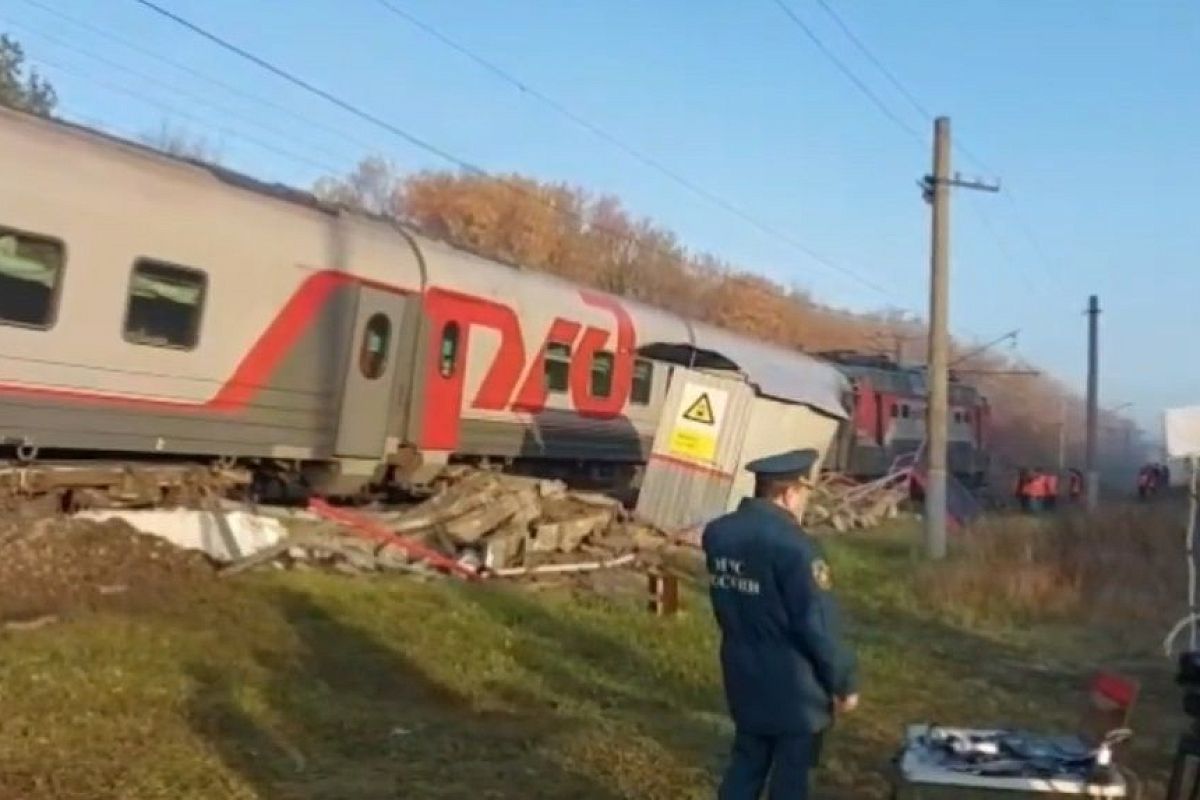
476, 524
844, 504
222, 536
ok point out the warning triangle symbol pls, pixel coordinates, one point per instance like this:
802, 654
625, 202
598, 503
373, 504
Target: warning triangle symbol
701, 411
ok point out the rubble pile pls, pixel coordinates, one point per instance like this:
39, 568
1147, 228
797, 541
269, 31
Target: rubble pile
54, 566
476, 523
845, 504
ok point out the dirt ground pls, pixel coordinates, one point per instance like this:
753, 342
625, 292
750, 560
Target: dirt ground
54, 567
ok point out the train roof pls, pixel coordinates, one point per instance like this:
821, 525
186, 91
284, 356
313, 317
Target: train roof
777, 372
886, 374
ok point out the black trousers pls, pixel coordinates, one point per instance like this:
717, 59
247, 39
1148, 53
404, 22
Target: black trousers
787, 760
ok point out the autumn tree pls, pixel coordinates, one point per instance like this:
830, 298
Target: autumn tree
24, 90
181, 143
373, 186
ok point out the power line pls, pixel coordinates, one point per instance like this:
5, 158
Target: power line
887, 73
181, 93
929, 117
895, 81
256, 99
849, 73
278, 72
123, 90
986, 221
396, 130
633, 152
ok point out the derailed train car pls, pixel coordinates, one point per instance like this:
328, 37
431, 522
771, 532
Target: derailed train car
164, 309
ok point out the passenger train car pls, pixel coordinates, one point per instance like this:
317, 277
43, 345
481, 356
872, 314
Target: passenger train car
170, 309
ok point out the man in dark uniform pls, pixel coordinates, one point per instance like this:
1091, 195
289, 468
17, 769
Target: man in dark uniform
786, 668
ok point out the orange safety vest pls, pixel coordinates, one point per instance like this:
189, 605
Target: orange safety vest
1037, 487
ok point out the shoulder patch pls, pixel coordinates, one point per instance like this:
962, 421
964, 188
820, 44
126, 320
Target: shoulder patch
821, 574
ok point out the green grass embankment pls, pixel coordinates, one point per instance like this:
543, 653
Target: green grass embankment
306, 685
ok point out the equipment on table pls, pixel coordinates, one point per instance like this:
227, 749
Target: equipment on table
960, 763
968, 763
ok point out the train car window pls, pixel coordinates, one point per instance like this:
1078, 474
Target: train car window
904, 410
449, 359
372, 353
895, 410
558, 366
165, 304
30, 276
643, 382
602, 369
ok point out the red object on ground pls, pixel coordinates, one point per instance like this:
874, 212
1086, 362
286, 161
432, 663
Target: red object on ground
366, 528
1118, 689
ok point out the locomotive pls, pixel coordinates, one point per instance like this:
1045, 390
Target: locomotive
158, 308
887, 425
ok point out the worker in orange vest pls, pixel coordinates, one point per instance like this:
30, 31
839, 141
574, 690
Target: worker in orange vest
1037, 490
1051, 499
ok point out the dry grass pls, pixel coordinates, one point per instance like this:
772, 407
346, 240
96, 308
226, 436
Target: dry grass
1123, 568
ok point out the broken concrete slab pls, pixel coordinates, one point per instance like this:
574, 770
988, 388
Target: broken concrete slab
469, 527
504, 547
222, 536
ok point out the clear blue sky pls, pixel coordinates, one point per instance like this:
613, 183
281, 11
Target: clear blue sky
1088, 110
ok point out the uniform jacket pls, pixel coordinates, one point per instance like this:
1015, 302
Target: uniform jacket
782, 653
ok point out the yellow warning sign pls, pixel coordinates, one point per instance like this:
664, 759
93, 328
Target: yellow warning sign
701, 411
697, 427
693, 445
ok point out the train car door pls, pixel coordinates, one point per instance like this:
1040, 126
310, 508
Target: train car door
372, 378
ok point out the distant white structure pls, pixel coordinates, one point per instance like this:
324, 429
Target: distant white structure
1181, 427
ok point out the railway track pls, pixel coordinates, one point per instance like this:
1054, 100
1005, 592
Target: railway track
37, 488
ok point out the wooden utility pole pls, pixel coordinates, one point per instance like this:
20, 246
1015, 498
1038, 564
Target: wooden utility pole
1093, 402
937, 192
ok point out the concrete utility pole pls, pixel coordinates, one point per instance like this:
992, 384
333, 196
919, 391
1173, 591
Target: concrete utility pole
939, 367
1093, 402
937, 192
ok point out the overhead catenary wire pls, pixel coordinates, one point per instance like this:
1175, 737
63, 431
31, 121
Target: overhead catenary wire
986, 222
921, 109
412, 138
887, 73
257, 99
170, 109
151, 80
849, 73
633, 152
893, 79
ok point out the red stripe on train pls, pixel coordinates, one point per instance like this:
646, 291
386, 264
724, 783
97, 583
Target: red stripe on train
256, 368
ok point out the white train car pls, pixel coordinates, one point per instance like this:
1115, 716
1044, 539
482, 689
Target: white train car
155, 307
